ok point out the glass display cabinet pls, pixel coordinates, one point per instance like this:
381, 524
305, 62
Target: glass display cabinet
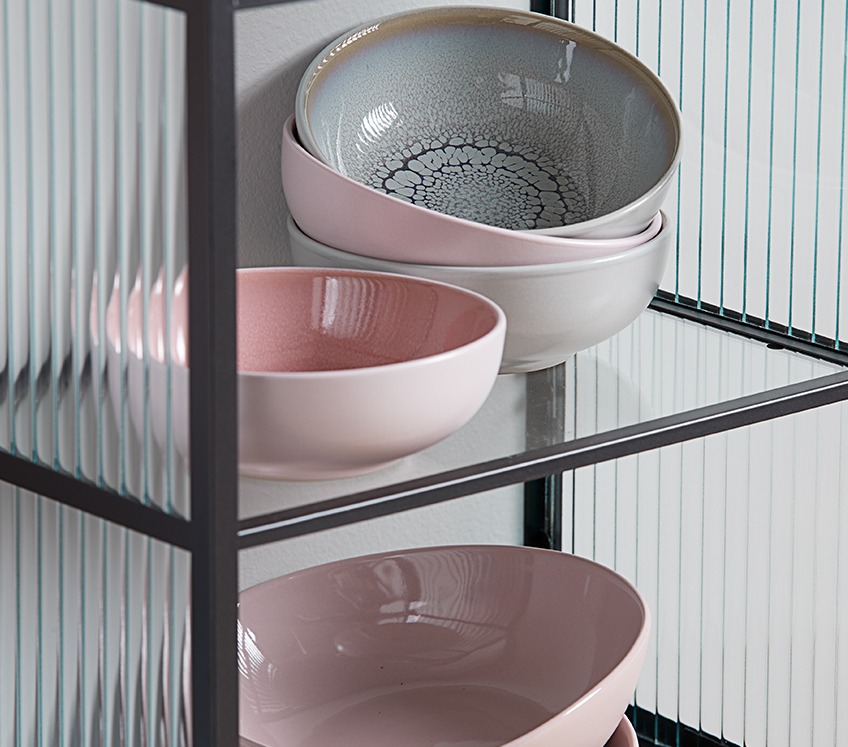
702, 452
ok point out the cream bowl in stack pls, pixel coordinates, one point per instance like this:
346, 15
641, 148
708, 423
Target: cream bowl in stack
553, 310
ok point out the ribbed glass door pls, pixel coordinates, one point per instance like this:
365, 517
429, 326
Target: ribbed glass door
93, 242
760, 200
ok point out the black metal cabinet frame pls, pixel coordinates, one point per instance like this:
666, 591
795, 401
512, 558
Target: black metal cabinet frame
214, 535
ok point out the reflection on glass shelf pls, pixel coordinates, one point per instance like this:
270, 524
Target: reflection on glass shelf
658, 366
663, 365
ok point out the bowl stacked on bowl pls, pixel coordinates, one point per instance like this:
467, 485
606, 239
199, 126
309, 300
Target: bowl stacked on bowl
508, 152
463, 645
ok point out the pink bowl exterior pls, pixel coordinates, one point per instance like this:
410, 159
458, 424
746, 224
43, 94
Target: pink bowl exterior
537, 624
312, 425
343, 213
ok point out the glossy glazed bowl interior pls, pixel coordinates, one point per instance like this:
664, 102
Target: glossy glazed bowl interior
473, 645
339, 372
343, 213
499, 116
552, 310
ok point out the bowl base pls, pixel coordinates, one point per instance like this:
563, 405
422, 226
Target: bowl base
308, 472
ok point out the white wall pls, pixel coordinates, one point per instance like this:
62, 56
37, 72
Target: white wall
273, 46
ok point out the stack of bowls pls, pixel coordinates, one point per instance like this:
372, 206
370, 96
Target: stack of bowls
511, 153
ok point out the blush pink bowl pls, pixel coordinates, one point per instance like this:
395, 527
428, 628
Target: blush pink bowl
341, 212
340, 372
473, 645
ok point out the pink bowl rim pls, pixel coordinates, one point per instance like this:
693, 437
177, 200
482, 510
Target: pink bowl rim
544, 239
496, 330
632, 61
547, 268
635, 651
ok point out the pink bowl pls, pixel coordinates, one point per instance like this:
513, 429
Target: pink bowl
341, 212
482, 645
340, 372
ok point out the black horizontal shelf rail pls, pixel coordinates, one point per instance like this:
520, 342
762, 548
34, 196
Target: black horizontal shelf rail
248, 4
773, 335
541, 462
104, 503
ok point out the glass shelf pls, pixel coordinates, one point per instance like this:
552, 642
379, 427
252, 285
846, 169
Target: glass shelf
642, 376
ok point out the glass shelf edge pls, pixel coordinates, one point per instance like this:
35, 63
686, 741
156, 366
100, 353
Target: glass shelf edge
548, 460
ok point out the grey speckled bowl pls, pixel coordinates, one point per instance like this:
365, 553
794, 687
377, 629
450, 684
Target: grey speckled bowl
500, 116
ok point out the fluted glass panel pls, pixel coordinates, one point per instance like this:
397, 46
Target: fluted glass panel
93, 641
93, 241
738, 543
760, 199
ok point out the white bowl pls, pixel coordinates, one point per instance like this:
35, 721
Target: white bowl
343, 213
340, 372
552, 310
501, 116
472, 645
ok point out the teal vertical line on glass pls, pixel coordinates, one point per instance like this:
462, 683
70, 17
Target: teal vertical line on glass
840, 220
638, 17
98, 250
168, 241
681, 493
104, 639
19, 622
144, 261
83, 640
173, 652
62, 638
679, 179
151, 728
123, 240
76, 227
615, 23
39, 658
127, 643
770, 205
746, 223
659, 36
818, 174
701, 162
723, 247
32, 366
10, 307
55, 355
794, 163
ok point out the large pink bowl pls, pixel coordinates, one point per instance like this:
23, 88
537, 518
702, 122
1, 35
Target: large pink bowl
340, 372
473, 645
341, 212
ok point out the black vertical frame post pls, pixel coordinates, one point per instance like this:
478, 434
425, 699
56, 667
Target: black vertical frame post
214, 443
545, 425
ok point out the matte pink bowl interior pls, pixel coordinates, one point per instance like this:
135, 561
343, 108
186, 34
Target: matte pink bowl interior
470, 645
325, 320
